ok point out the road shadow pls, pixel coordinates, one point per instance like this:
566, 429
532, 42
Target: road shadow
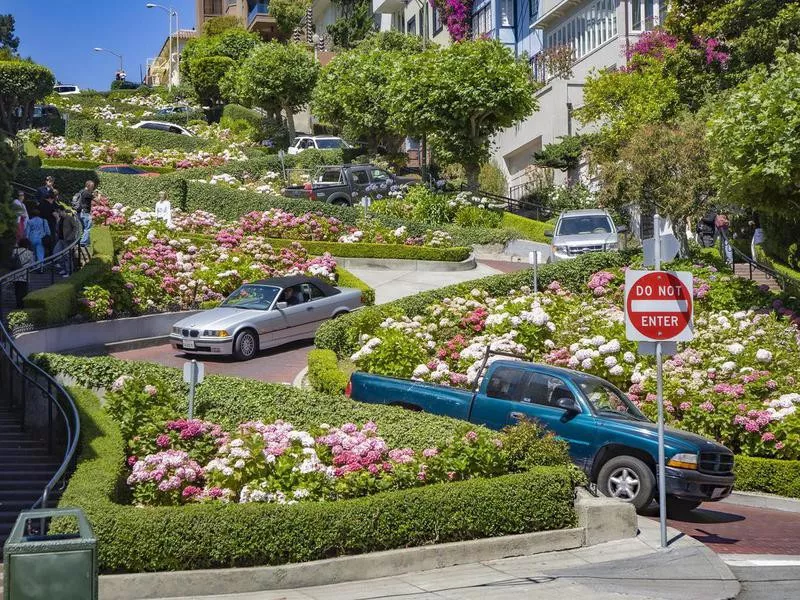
296, 345
698, 515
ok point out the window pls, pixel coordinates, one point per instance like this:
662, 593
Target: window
545, 390
411, 26
584, 225
175, 130
647, 14
594, 26
605, 398
482, 22
360, 177
437, 21
311, 292
506, 13
331, 176
534, 9
253, 296
505, 384
212, 7
380, 176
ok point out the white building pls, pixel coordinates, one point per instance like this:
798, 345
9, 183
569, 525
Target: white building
415, 17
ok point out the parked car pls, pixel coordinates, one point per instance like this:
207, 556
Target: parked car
66, 90
173, 110
580, 231
609, 438
320, 142
126, 170
341, 184
161, 126
264, 314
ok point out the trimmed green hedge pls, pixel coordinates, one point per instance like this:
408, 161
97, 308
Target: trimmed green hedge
342, 334
527, 228
86, 130
360, 250
73, 163
237, 535
324, 374
347, 279
58, 302
781, 477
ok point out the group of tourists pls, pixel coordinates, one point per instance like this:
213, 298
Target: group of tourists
46, 227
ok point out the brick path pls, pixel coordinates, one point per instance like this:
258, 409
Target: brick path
729, 528
505, 266
277, 365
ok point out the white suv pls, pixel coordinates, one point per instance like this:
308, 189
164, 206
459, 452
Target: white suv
66, 90
320, 142
580, 231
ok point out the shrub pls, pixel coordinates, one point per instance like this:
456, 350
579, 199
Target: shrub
768, 475
59, 302
342, 335
526, 229
359, 250
491, 179
429, 207
347, 279
474, 216
324, 374
213, 535
85, 130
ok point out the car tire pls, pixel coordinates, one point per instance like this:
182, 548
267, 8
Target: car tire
680, 507
245, 345
340, 202
629, 479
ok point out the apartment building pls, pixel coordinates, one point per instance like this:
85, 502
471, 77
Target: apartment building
415, 17
158, 68
253, 15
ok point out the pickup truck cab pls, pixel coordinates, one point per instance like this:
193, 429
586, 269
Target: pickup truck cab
609, 438
343, 185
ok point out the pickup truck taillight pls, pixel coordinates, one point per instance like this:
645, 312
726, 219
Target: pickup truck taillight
348, 390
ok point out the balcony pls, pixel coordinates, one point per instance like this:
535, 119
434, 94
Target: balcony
260, 21
387, 7
551, 11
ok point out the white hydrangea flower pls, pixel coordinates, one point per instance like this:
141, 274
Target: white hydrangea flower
763, 355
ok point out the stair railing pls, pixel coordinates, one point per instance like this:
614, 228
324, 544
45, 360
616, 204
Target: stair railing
44, 404
737, 256
515, 205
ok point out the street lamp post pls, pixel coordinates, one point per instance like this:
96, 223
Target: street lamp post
119, 56
171, 12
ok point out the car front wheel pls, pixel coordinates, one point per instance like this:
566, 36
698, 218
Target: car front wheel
245, 345
629, 479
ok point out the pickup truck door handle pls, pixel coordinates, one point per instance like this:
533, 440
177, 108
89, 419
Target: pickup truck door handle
517, 415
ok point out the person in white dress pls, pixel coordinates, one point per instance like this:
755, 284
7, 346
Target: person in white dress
164, 209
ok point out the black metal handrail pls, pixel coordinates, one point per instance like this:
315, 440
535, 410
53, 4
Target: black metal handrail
752, 264
20, 376
515, 205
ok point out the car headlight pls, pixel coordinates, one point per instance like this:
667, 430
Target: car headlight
215, 333
683, 461
560, 248
612, 246
176, 330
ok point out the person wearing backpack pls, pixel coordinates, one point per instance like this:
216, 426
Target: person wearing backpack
21, 258
66, 234
36, 230
82, 203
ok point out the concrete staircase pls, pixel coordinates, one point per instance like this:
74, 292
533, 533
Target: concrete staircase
758, 276
25, 468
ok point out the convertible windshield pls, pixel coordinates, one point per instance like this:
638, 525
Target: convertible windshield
258, 297
607, 399
584, 225
331, 144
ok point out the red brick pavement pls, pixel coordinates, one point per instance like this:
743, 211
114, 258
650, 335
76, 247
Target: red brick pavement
731, 528
505, 266
277, 365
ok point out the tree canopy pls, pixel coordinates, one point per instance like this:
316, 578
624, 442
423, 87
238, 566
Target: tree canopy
9, 43
463, 95
288, 14
275, 77
354, 23
22, 84
753, 134
207, 73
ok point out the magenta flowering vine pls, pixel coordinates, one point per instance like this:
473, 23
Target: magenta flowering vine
457, 17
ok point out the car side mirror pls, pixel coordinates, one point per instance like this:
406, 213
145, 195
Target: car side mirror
569, 405
622, 229
281, 305
548, 233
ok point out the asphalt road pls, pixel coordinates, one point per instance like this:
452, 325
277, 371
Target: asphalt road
768, 582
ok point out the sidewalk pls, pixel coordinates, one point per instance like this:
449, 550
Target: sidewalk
634, 569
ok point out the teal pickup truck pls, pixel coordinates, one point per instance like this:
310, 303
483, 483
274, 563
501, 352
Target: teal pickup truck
609, 438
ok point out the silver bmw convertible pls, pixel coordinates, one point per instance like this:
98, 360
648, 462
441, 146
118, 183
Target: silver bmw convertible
264, 314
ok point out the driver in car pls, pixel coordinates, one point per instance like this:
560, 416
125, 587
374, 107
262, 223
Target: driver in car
291, 297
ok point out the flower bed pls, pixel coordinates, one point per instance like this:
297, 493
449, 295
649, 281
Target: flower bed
736, 382
205, 532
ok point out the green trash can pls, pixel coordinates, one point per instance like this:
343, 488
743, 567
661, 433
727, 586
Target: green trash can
46, 567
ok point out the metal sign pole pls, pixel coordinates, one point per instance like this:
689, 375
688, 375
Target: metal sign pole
662, 485
192, 384
533, 258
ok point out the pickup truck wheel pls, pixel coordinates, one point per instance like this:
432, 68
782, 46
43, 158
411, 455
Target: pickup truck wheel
245, 346
629, 479
340, 202
679, 506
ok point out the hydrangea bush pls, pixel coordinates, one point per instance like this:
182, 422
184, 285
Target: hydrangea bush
737, 381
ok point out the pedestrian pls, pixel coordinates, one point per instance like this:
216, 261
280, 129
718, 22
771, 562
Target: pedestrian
22, 214
722, 224
758, 237
47, 210
44, 191
84, 209
37, 230
66, 234
164, 209
706, 227
22, 257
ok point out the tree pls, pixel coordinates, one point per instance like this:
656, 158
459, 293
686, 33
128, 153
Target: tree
564, 155
462, 95
355, 23
22, 83
663, 167
207, 73
276, 77
218, 25
288, 13
351, 93
753, 134
9, 43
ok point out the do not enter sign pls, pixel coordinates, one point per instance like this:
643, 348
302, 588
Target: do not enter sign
658, 306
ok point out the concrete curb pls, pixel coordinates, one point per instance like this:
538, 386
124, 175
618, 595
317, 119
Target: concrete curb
91, 337
403, 264
759, 500
298, 379
601, 519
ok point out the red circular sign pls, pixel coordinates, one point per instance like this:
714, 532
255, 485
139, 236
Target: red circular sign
659, 305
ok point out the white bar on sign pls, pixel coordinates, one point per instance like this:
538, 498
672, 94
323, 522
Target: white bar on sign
659, 306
